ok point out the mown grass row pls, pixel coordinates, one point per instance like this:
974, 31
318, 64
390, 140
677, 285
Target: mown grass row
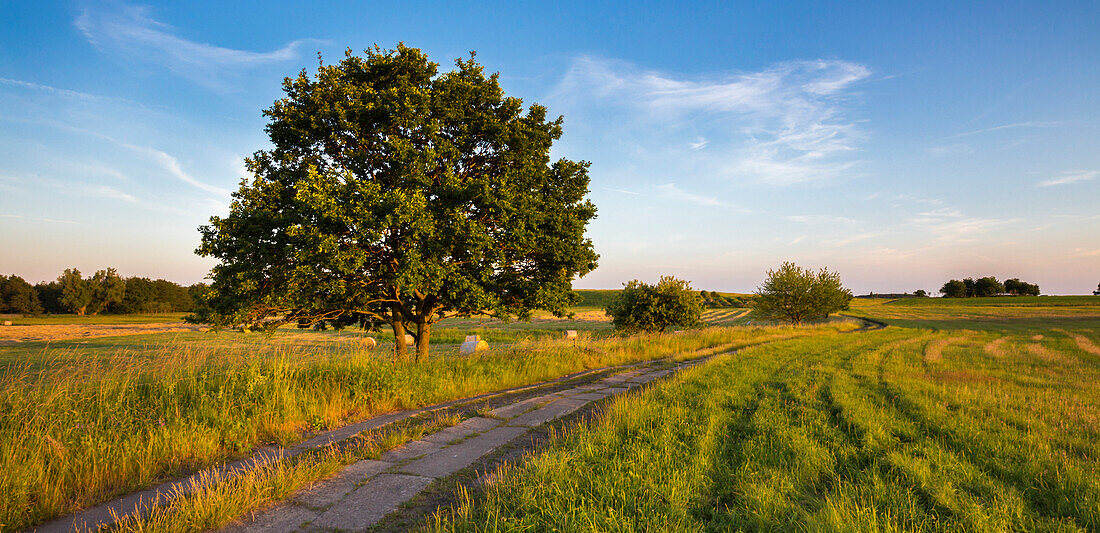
893, 430
74, 434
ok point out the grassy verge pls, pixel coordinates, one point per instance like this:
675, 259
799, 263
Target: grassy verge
892, 430
76, 429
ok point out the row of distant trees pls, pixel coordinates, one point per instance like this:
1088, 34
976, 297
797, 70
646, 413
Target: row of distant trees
987, 286
102, 292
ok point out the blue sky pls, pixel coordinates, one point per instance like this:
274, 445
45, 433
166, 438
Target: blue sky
899, 145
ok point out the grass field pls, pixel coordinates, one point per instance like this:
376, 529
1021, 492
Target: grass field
990, 425
84, 420
97, 319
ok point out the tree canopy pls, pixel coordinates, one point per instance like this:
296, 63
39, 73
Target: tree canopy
654, 308
797, 294
987, 286
395, 194
18, 296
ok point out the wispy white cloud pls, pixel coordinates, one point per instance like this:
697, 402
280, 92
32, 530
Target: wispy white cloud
51, 90
131, 31
819, 220
950, 225
38, 219
172, 165
782, 125
112, 193
851, 239
1070, 176
1002, 127
622, 191
672, 192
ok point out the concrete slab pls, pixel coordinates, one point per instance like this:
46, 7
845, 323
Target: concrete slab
412, 450
454, 458
281, 518
617, 390
518, 408
370, 503
590, 387
329, 491
592, 396
557, 409
470, 426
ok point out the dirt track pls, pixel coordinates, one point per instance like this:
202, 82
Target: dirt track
55, 332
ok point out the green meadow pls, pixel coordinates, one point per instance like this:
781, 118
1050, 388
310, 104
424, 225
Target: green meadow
85, 420
964, 415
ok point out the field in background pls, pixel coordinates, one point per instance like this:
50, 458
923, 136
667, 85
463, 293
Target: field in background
1022, 313
982, 417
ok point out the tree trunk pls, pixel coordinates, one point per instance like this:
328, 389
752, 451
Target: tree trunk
423, 334
398, 325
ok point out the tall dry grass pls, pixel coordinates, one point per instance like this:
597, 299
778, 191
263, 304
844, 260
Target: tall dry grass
77, 431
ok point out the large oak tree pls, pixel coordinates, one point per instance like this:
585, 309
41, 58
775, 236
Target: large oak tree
399, 195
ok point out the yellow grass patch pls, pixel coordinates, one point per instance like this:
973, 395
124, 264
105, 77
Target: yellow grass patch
1082, 341
994, 347
933, 351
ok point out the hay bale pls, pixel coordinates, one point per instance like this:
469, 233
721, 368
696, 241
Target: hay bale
470, 347
409, 340
570, 334
7, 322
369, 343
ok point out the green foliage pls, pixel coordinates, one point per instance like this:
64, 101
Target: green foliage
953, 289
108, 288
397, 194
987, 286
795, 294
144, 295
76, 292
18, 296
654, 308
1016, 287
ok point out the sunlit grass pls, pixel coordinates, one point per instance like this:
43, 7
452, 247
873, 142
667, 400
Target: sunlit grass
978, 429
81, 423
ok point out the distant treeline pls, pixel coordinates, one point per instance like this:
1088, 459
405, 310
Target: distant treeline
987, 286
104, 292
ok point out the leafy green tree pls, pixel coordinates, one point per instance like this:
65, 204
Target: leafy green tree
108, 288
1097, 291
654, 308
920, 293
50, 296
396, 194
77, 293
796, 294
988, 286
18, 296
1020, 288
953, 289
